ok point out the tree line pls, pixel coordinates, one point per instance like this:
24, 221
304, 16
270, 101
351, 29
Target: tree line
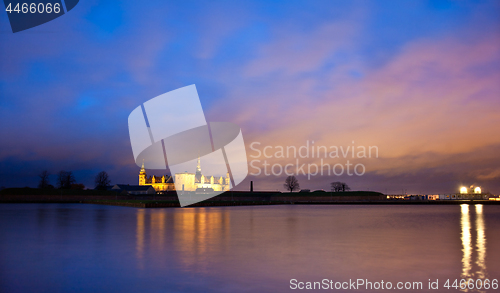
66, 180
291, 184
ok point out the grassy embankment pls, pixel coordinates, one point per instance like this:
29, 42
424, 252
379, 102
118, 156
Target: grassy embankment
230, 198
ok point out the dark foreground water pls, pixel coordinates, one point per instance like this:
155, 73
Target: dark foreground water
92, 248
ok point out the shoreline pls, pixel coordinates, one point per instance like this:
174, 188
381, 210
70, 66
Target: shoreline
230, 198
172, 204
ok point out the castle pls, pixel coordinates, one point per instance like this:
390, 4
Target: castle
185, 181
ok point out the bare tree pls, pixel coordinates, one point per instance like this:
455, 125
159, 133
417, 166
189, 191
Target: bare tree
44, 179
65, 179
60, 179
291, 183
102, 180
340, 186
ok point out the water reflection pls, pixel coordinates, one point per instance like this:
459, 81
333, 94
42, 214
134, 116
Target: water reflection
480, 242
140, 237
158, 226
198, 234
194, 234
466, 241
55, 247
468, 249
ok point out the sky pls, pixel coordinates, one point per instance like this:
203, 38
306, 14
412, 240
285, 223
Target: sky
420, 80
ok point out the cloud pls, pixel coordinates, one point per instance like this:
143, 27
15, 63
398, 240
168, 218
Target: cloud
432, 105
309, 50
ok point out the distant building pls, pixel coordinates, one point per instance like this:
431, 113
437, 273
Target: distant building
466, 193
396, 196
187, 181
471, 190
134, 189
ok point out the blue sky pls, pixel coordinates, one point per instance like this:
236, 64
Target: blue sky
277, 68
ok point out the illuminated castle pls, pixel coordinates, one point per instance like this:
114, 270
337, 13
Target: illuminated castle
188, 181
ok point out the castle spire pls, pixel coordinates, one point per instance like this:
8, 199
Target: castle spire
198, 167
142, 175
142, 169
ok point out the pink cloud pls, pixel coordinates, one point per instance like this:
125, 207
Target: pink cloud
433, 104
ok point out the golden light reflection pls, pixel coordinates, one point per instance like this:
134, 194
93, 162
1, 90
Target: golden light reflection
195, 232
199, 233
480, 242
157, 224
140, 236
469, 253
466, 241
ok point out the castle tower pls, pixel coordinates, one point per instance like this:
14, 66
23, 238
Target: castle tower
198, 167
142, 175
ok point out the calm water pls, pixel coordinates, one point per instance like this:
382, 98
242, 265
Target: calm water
92, 248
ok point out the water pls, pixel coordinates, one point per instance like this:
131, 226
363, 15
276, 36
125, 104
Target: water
93, 248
